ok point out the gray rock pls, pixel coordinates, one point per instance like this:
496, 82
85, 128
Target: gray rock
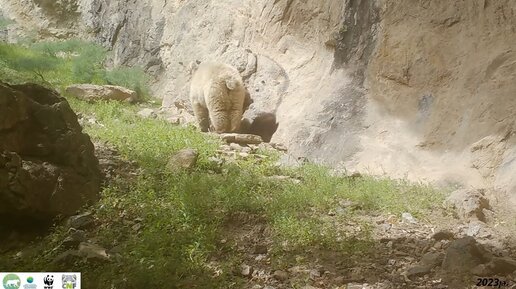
243, 139
315, 274
47, 165
93, 92
86, 252
93, 252
418, 271
478, 229
407, 217
74, 238
280, 275
147, 113
246, 270
443, 235
463, 255
469, 203
81, 221
432, 259
473, 229
184, 159
502, 265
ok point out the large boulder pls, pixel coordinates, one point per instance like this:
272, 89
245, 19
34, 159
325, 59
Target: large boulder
92, 92
47, 164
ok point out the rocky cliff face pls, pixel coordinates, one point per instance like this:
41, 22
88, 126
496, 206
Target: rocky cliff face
424, 90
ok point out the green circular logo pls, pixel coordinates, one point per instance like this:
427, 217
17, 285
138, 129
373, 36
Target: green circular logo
11, 281
30, 279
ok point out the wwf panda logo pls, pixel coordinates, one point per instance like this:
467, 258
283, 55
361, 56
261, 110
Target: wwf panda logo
48, 281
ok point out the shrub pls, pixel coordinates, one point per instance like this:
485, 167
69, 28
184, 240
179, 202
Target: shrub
133, 78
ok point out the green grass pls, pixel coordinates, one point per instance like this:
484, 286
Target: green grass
183, 214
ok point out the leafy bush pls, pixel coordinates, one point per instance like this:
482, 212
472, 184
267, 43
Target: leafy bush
25, 60
132, 78
61, 63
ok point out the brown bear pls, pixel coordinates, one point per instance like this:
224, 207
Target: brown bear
217, 94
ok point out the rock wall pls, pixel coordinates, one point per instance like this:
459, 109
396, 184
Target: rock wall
418, 89
442, 94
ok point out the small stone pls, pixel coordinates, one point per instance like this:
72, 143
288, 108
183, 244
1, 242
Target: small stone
418, 271
315, 274
407, 217
280, 275
473, 229
93, 252
74, 238
469, 203
432, 259
279, 147
147, 113
247, 150
137, 227
243, 155
385, 227
246, 270
244, 139
502, 265
184, 159
235, 147
443, 235
463, 255
81, 221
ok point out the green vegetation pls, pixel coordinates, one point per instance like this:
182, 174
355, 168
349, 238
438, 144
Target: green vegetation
185, 216
61, 63
181, 230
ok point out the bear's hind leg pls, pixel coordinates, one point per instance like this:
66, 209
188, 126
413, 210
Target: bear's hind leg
220, 121
202, 116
